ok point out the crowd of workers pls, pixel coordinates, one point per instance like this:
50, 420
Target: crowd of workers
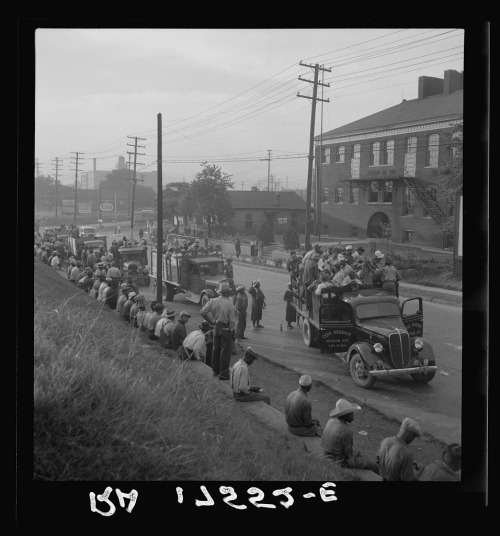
224, 324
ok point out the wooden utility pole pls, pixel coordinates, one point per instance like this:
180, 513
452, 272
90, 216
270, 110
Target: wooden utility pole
57, 174
159, 221
311, 144
134, 181
77, 161
268, 168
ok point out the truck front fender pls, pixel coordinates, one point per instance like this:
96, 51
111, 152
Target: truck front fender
365, 351
426, 352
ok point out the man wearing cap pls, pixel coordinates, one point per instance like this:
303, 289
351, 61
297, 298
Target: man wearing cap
128, 305
338, 441
95, 287
164, 327
153, 319
114, 271
56, 261
194, 345
179, 332
103, 284
394, 457
222, 314
348, 254
87, 281
138, 302
446, 469
390, 277
110, 294
241, 305
292, 265
298, 411
122, 298
240, 380
359, 255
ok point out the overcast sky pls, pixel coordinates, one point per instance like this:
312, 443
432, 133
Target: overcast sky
226, 96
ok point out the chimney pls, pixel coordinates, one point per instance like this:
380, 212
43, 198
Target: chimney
453, 81
429, 85
277, 199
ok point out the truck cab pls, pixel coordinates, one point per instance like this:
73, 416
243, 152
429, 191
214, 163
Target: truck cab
135, 264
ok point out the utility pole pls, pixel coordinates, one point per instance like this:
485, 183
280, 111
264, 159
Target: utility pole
77, 161
129, 184
311, 144
135, 153
159, 223
319, 188
57, 174
268, 168
242, 183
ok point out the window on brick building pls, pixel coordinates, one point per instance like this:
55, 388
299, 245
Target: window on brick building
354, 232
408, 202
354, 195
388, 152
340, 154
339, 195
248, 222
411, 144
325, 155
373, 192
375, 154
432, 150
387, 192
356, 151
325, 195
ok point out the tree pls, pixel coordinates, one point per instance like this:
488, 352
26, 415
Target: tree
451, 178
172, 194
265, 234
207, 196
291, 238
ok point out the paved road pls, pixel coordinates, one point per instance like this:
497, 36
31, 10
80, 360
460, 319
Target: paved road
437, 405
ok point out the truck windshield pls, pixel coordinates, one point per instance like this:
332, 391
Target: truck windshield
376, 309
209, 268
131, 255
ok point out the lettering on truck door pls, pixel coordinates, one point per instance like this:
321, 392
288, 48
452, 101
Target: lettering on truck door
337, 328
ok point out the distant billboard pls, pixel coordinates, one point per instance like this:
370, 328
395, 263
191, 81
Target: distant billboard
82, 207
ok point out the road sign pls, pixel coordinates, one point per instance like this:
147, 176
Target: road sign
106, 207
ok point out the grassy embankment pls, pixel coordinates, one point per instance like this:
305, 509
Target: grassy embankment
109, 407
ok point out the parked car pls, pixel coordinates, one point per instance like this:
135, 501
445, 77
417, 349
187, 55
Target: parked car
371, 331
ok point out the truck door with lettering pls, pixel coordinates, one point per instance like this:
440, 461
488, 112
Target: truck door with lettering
412, 316
337, 328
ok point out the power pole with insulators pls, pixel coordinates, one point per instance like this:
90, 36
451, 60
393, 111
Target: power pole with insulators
159, 221
57, 174
268, 169
134, 181
314, 98
77, 161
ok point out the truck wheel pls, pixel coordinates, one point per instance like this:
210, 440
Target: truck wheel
170, 292
308, 333
360, 372
424, 377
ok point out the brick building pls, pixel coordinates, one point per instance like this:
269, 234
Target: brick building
383, 168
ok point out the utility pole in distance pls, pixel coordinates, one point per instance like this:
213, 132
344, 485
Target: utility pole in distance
268, 168
311, 143
77, 161
135, 153
159, 223
57, 174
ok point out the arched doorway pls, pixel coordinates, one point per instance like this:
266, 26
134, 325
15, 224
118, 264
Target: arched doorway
374, 228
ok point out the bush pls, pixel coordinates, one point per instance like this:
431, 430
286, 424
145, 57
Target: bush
291, 238
265, 234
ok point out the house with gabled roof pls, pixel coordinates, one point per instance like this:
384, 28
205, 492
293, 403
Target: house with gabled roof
383, 168
254, 207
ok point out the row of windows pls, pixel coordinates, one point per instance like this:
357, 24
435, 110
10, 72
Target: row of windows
379, 192
382, 152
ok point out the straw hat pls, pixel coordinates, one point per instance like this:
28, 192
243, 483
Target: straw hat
343, 407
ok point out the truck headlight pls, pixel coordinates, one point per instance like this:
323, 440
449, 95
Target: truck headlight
378, 347
419, 344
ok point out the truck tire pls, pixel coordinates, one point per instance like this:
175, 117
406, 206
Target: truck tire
359, 372
170, 292
308, 333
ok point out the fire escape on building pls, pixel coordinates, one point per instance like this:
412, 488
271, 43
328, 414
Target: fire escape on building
416, 186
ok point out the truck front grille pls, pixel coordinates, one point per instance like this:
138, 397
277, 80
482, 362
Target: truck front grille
399, 344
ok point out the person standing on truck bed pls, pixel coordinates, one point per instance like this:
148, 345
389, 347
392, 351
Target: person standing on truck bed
222, 314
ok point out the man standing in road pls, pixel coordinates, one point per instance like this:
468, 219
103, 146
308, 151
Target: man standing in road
298, 411
221, 313
240, 380
258, 303
241, 305
337, 439
237, 247
395, 459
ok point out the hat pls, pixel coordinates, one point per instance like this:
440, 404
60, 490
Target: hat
343, 407
251, 353
305, 380
341, 258
205, 325
140, 298
348, 248
131, 294
255, 282
185, 313
197, 240
223, 287
100, 264
169, 312
411, 425
229, 259
360, 249
123, 286
109, 279
240, 287
379, 254
158, 307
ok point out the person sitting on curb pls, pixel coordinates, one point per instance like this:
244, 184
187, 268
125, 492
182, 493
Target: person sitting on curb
445, 469
194, 345
240, 380
298, 410
338, 441
394, 457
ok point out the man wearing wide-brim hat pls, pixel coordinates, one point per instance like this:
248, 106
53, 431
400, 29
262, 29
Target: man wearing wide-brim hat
337, 439
240, 380
221, 313
394, 456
